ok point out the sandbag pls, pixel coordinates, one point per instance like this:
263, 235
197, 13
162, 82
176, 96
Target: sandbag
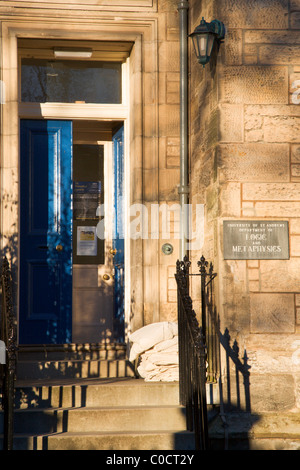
156, 347
149, 335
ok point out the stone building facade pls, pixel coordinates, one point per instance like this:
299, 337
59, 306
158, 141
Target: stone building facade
244, 142
244, 159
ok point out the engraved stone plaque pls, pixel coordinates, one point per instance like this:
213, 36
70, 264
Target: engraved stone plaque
256, 239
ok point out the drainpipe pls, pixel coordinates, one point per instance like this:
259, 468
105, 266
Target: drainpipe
183, 188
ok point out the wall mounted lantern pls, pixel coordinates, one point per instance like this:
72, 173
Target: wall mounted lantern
204, 37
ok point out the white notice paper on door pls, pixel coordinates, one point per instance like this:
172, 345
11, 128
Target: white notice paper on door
86, 241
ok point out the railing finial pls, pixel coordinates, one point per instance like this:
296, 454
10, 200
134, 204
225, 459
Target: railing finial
202, 263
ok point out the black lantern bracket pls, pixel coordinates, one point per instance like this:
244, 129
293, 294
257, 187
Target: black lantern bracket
204, 38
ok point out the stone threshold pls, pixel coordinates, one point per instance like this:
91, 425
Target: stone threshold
44, 352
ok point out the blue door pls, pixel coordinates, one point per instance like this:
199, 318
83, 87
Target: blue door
118, 236
45, 300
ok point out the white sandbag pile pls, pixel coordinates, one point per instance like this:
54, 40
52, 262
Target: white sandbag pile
156, 348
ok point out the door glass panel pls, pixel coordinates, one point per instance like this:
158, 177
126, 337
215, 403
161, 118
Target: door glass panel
88, 194
70, 81
39, 181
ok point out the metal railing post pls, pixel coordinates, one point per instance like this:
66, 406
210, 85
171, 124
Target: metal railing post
198, 346
8, 335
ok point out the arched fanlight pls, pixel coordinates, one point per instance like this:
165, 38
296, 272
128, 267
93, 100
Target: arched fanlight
204, 38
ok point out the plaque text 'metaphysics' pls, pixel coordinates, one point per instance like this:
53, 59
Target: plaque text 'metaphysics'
255, 239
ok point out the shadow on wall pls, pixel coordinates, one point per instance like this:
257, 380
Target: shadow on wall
236, 420
231, 425
237, 376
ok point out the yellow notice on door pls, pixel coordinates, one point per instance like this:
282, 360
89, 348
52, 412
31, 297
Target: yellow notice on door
86, 241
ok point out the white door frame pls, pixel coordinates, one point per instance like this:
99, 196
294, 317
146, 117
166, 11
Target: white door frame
140, 116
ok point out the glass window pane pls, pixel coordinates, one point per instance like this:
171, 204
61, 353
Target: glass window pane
68, 81
88, 194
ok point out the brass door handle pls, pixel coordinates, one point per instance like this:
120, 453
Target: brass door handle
113, 251
59, 248
106, 277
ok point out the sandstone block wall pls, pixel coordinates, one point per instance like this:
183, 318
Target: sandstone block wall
245, 165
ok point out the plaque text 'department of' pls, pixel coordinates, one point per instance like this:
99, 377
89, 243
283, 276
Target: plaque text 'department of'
256, 239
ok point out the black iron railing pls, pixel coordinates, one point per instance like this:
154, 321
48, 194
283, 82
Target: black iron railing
8, 336
199, 349
209, 319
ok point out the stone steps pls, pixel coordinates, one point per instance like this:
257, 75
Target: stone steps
73, 361
100, 419
72, 351
87, 414
86, 397
131, 414
95, 393
79, 369
116, 441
